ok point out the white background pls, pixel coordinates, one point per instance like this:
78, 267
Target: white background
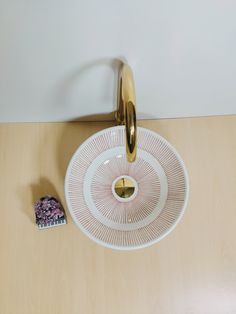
58, 58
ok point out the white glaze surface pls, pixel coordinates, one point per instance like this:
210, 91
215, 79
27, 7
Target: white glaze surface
148, 216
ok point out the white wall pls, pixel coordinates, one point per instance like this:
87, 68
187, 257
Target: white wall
57, 58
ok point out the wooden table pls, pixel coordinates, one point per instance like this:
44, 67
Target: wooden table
61, 271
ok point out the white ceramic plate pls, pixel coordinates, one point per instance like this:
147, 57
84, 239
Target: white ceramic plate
157, 204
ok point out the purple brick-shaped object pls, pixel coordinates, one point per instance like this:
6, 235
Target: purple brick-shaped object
49, 212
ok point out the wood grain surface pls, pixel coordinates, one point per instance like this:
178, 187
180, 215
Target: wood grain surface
61, 271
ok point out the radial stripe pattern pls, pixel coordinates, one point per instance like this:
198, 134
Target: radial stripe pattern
147, 196
161, 197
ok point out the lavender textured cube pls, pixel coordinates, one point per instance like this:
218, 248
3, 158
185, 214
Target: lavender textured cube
49, 212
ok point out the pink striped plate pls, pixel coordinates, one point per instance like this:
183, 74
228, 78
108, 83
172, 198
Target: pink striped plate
160, 189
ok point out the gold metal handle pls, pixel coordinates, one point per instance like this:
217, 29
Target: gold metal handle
126, 112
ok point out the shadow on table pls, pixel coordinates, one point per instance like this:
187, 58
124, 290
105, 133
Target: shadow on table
37, 190
42, 188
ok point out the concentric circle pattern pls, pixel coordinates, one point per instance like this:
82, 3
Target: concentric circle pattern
153, 210
129, 211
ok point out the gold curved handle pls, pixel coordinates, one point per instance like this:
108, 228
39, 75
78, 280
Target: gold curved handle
126, 112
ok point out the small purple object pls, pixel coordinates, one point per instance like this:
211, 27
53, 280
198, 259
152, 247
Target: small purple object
49, 212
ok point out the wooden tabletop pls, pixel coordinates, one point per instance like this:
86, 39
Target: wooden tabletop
61, 271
